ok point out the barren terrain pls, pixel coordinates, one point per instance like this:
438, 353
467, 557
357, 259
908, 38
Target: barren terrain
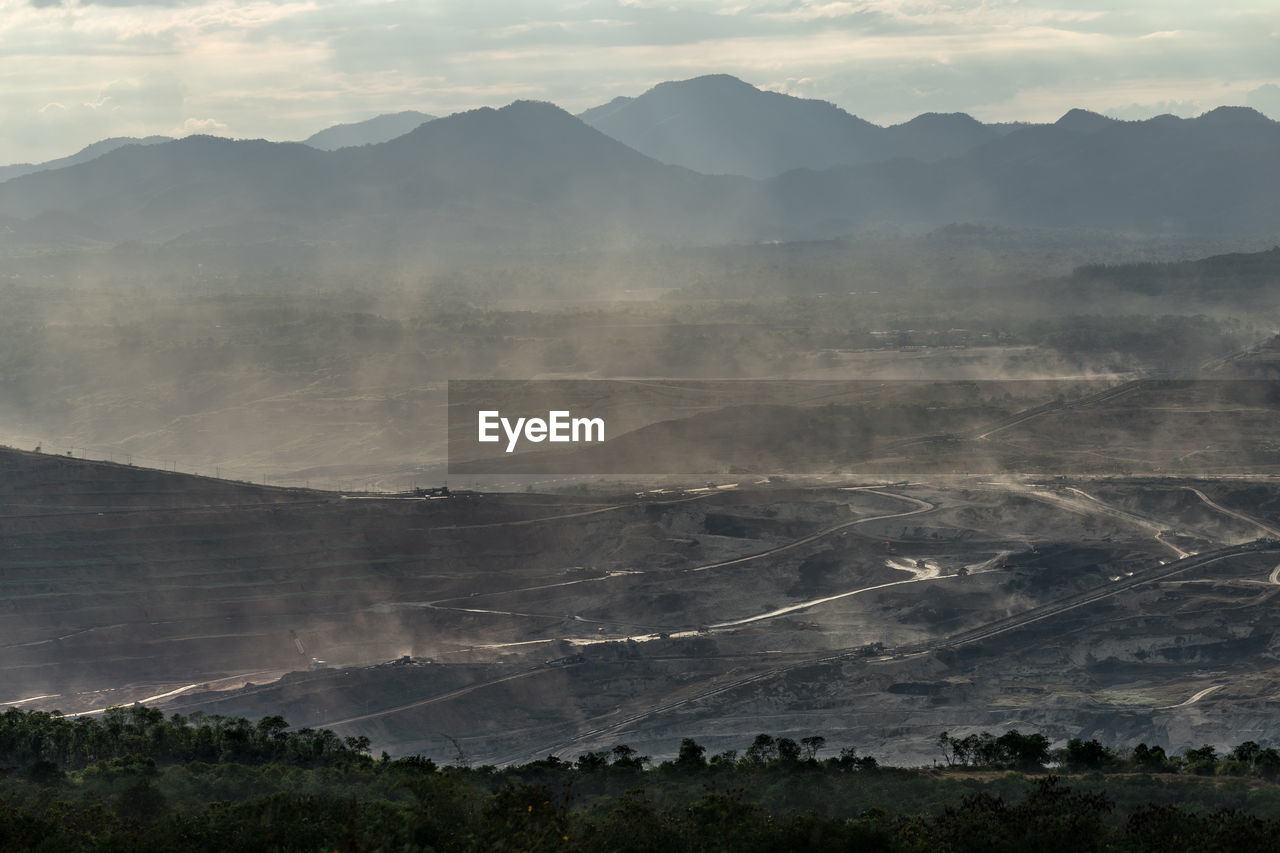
1092, 556
506, 626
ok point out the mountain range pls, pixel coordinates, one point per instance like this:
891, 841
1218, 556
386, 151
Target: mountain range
530, 175
369, 132
84, 155
718, 124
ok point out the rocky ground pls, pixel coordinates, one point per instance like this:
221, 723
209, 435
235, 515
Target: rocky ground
508, 626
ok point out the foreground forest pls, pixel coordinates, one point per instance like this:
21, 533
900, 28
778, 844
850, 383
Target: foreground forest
133, 780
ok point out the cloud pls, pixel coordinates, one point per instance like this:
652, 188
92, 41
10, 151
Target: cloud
1265, 99
821, 11
796, 86
209, 126
44, 4
1133, 112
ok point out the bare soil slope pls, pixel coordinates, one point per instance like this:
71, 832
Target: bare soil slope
514, 625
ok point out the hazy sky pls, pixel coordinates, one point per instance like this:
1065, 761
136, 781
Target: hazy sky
74, 71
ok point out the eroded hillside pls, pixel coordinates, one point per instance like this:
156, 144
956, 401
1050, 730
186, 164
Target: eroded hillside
521, 624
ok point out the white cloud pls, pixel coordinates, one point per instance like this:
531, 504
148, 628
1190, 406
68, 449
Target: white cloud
1265, 99
1135, 111
201, 125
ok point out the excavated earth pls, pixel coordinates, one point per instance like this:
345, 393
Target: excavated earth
503, 627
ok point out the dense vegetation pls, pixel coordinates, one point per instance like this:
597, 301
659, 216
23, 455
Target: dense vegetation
133, 780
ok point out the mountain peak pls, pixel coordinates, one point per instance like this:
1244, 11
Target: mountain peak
931, 137
1234, 117
1084, 121
482, 142
718, 124
707, 82
941, 118
533, 108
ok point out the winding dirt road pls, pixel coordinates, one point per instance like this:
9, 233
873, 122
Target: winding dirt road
1195, 697
921, 577
992, 629
1265, 528
921, 506
1090, 504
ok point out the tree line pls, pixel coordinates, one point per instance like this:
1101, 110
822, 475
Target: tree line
133, 779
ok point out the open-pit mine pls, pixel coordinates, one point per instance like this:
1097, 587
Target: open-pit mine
1073, 568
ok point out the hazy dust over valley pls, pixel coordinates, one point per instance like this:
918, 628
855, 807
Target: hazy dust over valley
1016, 465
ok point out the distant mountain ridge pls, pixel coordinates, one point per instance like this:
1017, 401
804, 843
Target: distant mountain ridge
718, 124
84, 155
382, 128
532, 176
526, 174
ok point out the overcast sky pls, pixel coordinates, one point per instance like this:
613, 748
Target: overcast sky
75, 71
